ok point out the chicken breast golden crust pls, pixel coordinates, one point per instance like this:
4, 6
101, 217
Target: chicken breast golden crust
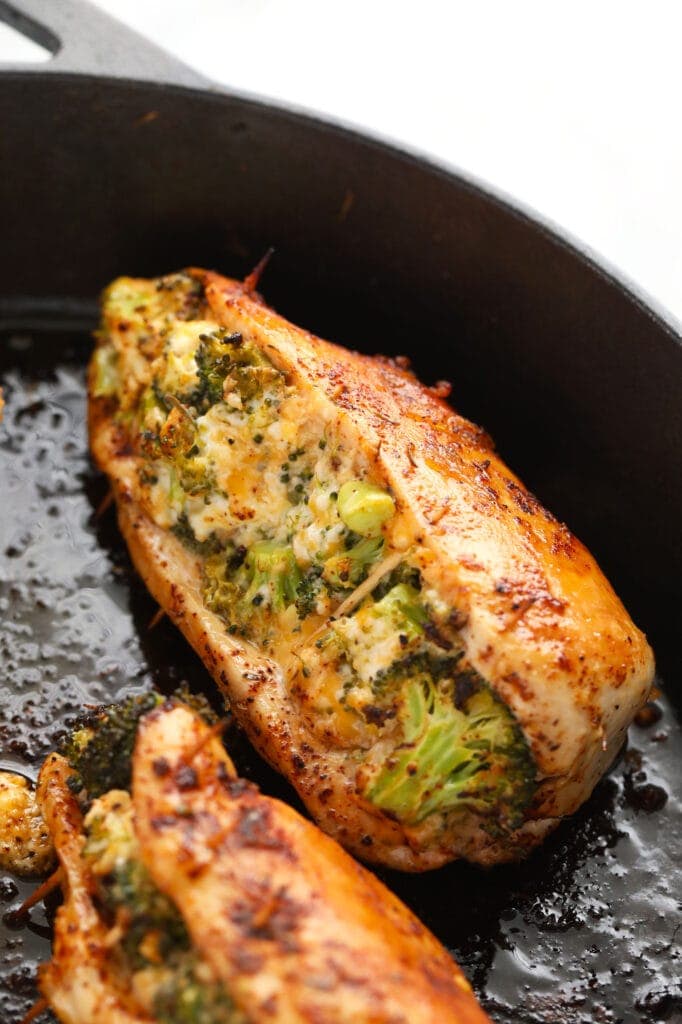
435, 662
198, 900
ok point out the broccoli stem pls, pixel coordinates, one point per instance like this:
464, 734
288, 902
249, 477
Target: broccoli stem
107, 379
364, 507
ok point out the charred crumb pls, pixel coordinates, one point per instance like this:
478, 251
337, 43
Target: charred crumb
274, 918
247, 962
164, 821
457, 619
160, 767
645, 796
230, 782
186, 777
377, 715
649, 715
8, 890
526, 501
436, 636
256, 828
466, 686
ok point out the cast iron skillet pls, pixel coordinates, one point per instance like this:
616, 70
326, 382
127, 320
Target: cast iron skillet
115, 159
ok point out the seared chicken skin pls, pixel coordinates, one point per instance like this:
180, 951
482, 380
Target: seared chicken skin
198, 899
434, 661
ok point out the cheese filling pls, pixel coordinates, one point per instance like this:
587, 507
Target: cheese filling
253, 474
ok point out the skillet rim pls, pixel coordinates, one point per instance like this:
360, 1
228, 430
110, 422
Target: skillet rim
396, 149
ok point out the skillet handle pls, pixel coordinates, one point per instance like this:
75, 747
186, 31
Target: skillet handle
84, 40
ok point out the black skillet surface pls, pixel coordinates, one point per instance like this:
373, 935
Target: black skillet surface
577, 379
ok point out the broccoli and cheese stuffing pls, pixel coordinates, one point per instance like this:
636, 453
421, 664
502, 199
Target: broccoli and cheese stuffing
148, 941
305, 555
166, 976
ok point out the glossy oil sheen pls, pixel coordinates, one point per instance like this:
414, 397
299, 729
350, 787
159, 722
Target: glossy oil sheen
586, 930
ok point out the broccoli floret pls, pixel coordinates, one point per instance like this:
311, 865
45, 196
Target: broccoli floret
460, 748
308, 591
196, 702
214, 358
221, 594
350, 568
402, 606
184, 532
418, 663
239, 584
402, 573
101, 747
275, 576
220, 355
129, 886
178, 433
124, 888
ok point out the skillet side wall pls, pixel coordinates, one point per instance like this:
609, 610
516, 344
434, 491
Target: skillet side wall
576, 381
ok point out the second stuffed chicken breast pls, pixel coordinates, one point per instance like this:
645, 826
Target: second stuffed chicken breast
191, 898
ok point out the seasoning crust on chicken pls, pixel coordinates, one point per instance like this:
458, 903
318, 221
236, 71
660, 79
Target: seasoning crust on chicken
435, 662
196, 899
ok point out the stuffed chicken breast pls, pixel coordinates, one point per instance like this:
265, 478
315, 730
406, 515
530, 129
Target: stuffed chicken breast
190, 897
435, 662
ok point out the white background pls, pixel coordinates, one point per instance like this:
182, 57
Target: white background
572, 108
